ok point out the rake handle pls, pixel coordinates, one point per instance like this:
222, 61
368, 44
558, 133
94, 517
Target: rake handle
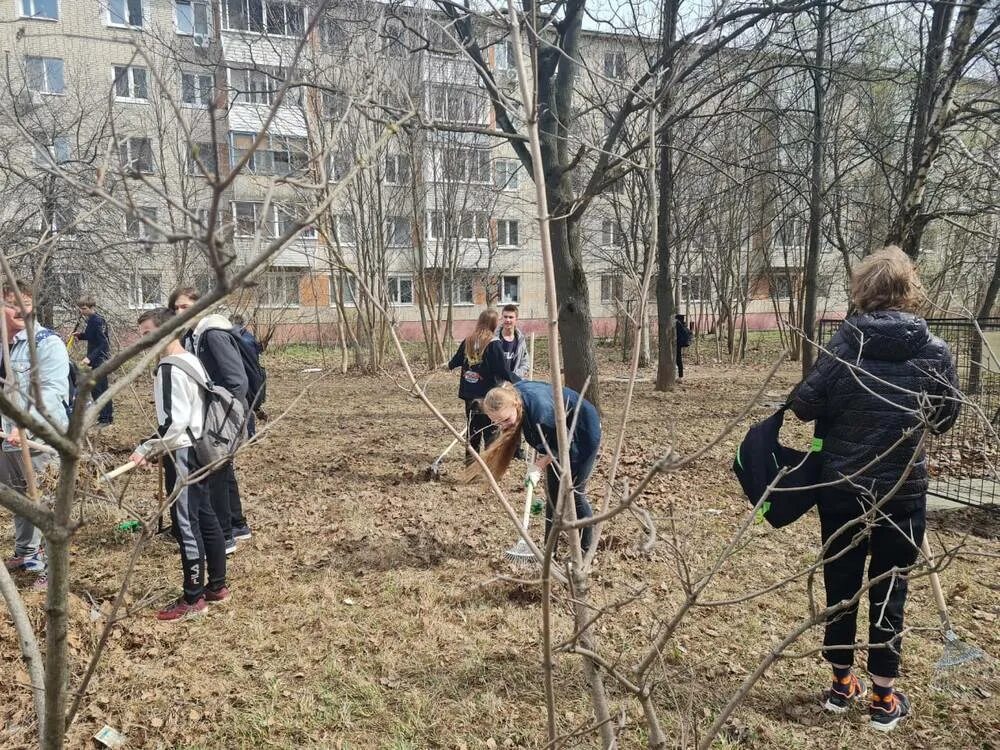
119, 471
942, 605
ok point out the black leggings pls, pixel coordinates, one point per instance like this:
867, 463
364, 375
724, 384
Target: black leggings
891, 542
481, 429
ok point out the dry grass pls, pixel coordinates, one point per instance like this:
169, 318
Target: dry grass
367, 611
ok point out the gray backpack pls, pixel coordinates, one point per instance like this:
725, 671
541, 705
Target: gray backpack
225, 427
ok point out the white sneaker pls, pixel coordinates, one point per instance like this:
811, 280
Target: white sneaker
34, 563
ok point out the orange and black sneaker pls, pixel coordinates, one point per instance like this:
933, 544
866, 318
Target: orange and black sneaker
843, 692
887, 711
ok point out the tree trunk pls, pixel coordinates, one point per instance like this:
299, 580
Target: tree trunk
985, 309
815, 192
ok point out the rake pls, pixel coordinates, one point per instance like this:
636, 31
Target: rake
956, 651
433, 472
520, 554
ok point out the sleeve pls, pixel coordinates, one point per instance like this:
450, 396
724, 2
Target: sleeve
100, 346
222, 347
524, 360
497, 363
459, 357
53, 369
83, 335
951, 397
174, 405
808, 399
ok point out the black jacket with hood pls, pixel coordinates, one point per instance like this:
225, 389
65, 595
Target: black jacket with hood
214, 344
866, 408
486, 372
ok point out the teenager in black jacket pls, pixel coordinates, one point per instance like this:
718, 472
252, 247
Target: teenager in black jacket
884, 378
484, 366
95, 333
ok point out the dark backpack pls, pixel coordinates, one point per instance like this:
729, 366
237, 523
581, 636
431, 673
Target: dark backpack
256, 374
761, 457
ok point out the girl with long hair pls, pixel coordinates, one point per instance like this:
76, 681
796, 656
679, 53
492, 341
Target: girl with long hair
483, 366
527, 408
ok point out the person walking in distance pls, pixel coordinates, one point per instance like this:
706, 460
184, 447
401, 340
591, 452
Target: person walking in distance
683, 341
24, 379
95, 333
483, 366
214, 344
180, 410
882, 378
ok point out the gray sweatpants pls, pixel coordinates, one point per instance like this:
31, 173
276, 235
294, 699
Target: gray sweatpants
27, 538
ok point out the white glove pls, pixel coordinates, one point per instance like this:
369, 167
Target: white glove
533, 477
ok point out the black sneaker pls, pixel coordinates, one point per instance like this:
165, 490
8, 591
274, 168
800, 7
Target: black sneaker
844, 692
886, 713
241, 533
230, 546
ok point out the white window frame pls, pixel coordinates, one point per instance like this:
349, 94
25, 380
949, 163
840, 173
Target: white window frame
48, 74
503, 54
391, 223
284, 211
47, 154
615, 64
261, 223
617, 283
344, 222
611, 233
461, 281
399, 174
503, 234
349, 283
198, 89
137, 287
284, 274
468, 164
507, 174
143, 10
194, 18
130, 79
266, 10
479, 219
32, 15
127, 144
191, 166
456, 104
505, 297
142, 231
395, 295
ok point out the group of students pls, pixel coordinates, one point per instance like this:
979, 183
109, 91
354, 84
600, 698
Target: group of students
207, 517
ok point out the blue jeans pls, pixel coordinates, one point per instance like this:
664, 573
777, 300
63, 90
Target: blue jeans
580, 472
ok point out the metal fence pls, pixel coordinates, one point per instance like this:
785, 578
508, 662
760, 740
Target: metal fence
965, 462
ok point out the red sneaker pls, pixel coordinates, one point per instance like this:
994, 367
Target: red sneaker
219, 595
181, 609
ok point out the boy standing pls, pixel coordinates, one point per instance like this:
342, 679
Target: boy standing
513, 343
95, 333
50, 370
180, 411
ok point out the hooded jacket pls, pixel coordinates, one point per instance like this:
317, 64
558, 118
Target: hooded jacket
539, 423
52, 374
520, 362
478, 378
866, 408
213, 343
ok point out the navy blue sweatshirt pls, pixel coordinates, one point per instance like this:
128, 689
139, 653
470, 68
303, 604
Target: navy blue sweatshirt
492, 370
96, 335
540, 420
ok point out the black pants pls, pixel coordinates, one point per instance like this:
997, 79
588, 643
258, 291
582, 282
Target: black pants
680, 362
107, 414
891, 542
481, 429
195, 527
226, 500
580, 474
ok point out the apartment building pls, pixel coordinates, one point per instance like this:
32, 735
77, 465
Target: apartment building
146, 97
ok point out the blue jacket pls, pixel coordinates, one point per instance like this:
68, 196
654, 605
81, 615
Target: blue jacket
540, 421
96, 335
52, 375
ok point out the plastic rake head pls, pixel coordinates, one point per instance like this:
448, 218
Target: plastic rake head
520, 554
957, 652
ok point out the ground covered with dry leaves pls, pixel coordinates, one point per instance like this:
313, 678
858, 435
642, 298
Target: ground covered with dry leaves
370, 609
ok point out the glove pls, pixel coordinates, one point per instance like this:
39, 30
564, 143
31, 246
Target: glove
533, 477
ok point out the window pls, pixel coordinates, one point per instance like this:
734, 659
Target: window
196, 89
461, 288
457, 104
397, 169
137, 229
286, 217
125, 13
278, 155
147, 291
335, 104
615, 65
248, 217
279, 287
400, 289
611, 233
507, 233
191, 17
345, 285
612, 286
46, 9
468, 225
67, 288
59, 151
464, 165
784, 282
136, 155
695, 287
343, 229
130, 83
276, 18
44, 74
504, 55
508, 174
204, 153
260, 86
397, 231
510, 290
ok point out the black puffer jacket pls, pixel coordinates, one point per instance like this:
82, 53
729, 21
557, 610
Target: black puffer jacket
865, 409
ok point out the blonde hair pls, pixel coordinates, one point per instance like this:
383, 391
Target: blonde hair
501, 451
886, 280
479, 339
